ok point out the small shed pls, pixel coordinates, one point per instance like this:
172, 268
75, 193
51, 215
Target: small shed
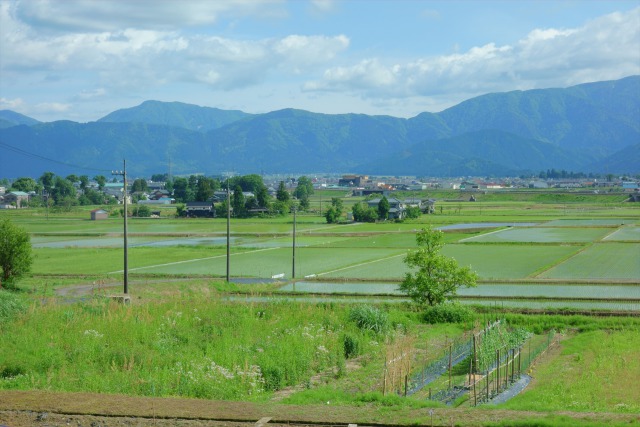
97, 214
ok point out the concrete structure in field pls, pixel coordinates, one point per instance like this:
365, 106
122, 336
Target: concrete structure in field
98, 214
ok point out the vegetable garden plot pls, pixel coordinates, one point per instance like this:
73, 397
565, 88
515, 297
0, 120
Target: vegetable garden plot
543, 235
605, 261
595, 371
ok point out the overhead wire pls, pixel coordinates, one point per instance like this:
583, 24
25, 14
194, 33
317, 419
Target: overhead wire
38, 156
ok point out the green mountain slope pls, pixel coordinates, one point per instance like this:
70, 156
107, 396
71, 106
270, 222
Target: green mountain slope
576, 129
10, 118
485, 152
176, 114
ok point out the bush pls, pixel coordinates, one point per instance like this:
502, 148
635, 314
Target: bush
351, 346
448, 313
10, 306
370, 318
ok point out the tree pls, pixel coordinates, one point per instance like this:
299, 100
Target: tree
262, 197
139, 185
15, 253
101, 180
181, 190
25, 184
237, 202
383, 208
364, 213
84, 182
47, 180
304, 188
437, 278
63, 193
304, 203
413, 212
205, 189
282, 194
334, 213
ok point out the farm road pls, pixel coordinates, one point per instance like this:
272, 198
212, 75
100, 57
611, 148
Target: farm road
57, 409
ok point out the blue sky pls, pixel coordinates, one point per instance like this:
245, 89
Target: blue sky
81, 59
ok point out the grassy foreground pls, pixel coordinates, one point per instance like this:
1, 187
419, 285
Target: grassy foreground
198, 344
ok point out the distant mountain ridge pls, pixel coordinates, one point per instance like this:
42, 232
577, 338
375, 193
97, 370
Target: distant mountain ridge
593, 127
10, 118
176, 114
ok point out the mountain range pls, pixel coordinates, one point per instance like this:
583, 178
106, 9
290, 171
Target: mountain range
593, 127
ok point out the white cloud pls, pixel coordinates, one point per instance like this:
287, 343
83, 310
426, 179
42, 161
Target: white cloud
322, 6
12, 104
113, 15
51, 107
134, 58
605, 48
86, 95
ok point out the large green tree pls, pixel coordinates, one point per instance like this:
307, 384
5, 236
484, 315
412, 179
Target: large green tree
334, 213
139, 185
383, 208
237, 202
25, 184
282, 194
15, 253
436, 278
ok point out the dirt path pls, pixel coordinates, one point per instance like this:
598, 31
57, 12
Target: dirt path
56, 409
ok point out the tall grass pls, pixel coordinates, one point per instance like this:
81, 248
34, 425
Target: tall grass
188, 346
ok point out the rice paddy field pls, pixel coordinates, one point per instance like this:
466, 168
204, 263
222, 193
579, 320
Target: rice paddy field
521, 250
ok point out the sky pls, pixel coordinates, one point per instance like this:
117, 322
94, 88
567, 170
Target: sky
82, 59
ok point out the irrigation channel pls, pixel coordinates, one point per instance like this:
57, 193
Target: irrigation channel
619, 297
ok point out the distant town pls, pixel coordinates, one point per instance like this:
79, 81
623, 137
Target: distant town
201, 194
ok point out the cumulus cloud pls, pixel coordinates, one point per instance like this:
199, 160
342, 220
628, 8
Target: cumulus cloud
51, 107
16, 104
134, 58
605, 48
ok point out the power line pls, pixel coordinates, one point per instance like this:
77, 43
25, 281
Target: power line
38, 156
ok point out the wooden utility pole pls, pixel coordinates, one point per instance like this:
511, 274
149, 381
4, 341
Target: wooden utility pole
123, 173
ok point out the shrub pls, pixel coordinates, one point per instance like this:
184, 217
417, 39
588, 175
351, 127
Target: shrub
274, 377
10, 306
370, 318
351, 346
448, 313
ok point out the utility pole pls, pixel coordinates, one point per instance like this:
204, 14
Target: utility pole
228, 228
123, 173
293, 268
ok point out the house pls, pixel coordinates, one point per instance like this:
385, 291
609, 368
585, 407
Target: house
159, 194
352, 180
199, 209
397, 208
98, 214
161, 201
19, 199
426, 206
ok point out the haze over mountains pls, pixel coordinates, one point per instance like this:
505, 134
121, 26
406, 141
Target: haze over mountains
591, 127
